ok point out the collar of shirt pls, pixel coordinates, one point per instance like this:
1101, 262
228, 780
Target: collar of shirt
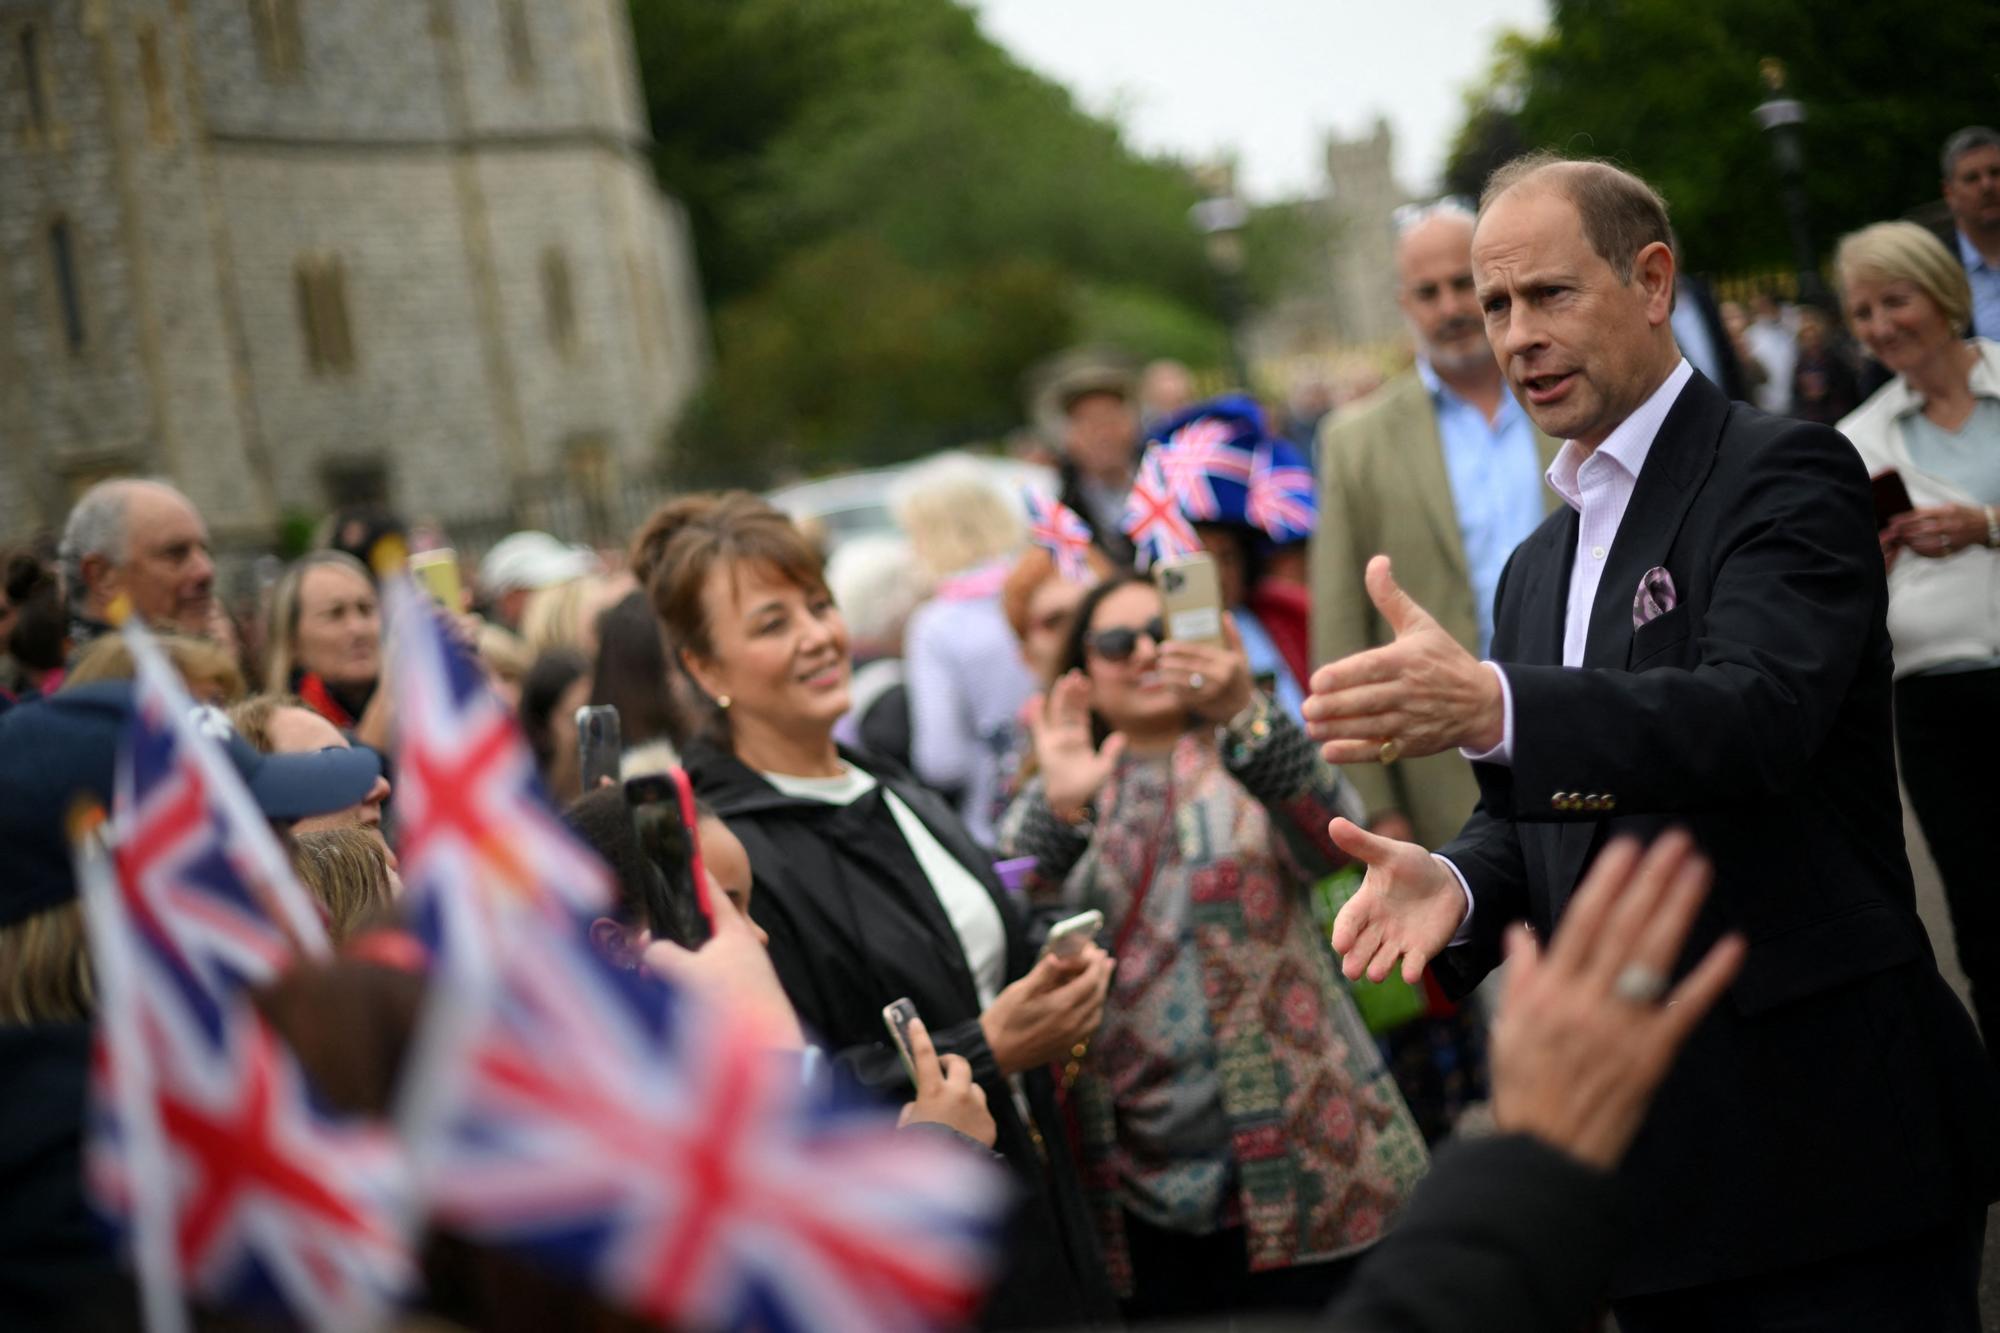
1969, 255
1628, 443
1444, 396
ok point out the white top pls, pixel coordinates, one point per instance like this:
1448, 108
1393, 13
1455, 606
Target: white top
974, 917
1940, 610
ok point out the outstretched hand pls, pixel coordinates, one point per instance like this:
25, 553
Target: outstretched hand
1576, 1058
1408, 907
1422, 691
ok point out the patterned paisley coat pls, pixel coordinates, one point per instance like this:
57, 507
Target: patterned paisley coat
1324, 1149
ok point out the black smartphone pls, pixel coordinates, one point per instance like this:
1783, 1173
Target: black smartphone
1892, 497
897, 1016
598, 745
672, 847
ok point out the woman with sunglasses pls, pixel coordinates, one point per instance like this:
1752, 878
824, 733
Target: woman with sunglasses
1241, 1136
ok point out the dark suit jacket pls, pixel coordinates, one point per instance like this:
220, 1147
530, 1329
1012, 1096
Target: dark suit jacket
1506, 1235
1837, 1097
854, 925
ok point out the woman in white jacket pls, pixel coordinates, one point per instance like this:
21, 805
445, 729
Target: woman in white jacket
1937, 426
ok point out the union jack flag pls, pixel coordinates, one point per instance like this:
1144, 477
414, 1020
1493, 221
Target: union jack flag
470, 807
1197, 454
1057, 529
1153, 520
204, 1139
604, 1123
1281, 498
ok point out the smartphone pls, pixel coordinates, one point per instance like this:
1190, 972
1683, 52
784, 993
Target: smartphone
1069, 937
674, 907
438, 572
897, 1017
598, 747
1193, 596
1892, 497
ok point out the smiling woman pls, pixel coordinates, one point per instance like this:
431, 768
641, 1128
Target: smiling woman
868, 884
325, 637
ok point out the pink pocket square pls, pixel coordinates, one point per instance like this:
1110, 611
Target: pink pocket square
1655, 596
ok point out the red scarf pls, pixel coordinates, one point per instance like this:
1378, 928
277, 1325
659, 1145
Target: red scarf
320, 699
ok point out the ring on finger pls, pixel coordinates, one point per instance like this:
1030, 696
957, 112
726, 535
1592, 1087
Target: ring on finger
1640, 984
1196, 680
1390, 751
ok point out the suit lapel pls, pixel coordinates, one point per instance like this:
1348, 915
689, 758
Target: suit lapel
1671, 477
1668, 482
1431, 483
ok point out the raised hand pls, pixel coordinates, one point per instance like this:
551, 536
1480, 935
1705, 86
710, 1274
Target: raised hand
1579, 1044
946, 1094
1423, 691
1408, 907
1213, 681
1072, 764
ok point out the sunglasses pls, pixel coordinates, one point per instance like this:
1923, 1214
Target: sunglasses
1118, 644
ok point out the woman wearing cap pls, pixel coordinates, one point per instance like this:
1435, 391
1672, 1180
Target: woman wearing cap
869, 886
1937, 427
324, 643
1237, 1125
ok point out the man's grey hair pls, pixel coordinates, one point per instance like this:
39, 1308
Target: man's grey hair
96, 526
1406, 218
1965, 141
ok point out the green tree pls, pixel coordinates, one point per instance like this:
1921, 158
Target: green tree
1667, 87
894, 221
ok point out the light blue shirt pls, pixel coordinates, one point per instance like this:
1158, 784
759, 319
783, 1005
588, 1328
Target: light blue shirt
1496, 485
1985, 281
1265, 660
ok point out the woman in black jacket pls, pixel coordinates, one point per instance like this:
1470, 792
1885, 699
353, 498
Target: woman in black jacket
869, 887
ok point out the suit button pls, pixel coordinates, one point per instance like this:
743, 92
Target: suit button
1559, 801
1611, 803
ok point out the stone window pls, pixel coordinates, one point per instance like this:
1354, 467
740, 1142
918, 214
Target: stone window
153, 78
34, 79
520, 40
321, 281
559, 302
280, 40
68, 286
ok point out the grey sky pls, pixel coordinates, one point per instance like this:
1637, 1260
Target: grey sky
1267, 78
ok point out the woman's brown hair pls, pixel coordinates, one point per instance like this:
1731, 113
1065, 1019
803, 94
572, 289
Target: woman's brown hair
687, 539
45, 972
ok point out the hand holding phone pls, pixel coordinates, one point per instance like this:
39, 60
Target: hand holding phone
1192, 592
897, 1016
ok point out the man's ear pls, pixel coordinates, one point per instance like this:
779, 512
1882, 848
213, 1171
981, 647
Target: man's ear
102, 580
1654, 270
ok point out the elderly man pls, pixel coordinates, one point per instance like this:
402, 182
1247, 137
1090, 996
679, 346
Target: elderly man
1697, 638
1441, 470
1971, 162
146, 542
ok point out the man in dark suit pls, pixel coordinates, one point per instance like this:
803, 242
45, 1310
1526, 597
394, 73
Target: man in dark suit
1696, 637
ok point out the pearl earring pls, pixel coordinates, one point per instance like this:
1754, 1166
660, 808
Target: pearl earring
722, 702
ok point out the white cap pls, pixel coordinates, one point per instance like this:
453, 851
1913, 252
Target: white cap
532, 561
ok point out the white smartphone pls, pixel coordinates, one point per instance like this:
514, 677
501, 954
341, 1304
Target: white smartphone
1069, 937
1192, 593
897, 1017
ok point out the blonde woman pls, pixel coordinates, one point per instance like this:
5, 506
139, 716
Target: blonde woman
349, 872
324, 643
1937, 427
962, 666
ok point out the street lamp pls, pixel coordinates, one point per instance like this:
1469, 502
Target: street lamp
1220, 219
1782, 118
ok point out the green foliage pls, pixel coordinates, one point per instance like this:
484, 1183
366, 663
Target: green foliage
1668, 88
894, 220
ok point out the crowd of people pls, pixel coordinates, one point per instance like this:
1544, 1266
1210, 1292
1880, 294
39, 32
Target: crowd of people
1503, 663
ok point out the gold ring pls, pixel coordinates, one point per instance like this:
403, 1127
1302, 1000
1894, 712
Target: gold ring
1389, 751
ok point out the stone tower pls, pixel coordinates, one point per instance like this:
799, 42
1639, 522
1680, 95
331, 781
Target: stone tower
1362, 193
293, 253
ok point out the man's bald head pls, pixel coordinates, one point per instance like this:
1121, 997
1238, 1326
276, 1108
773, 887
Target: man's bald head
1621, 214
147, 541
1434, 290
